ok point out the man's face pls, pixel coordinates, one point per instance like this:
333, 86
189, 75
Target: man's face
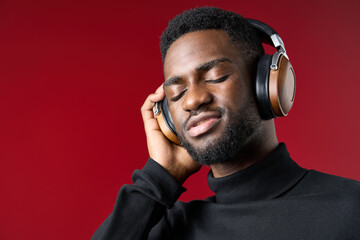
210, 96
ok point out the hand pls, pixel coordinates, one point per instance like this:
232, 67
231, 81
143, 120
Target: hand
173, 158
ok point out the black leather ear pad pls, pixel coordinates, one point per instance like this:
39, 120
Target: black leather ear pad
262, 87
166, 115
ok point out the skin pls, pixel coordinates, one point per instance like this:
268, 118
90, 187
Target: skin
204, 71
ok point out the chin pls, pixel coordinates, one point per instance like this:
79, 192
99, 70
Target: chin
225, 141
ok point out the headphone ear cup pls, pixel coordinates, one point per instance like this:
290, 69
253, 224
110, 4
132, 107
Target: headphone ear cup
282, 87
262, 87
166, 123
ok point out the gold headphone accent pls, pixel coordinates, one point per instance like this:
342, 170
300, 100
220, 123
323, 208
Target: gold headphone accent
165, 129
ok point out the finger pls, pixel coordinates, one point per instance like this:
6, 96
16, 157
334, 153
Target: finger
156, 97
151, 125
160, 88
149, 103
147, 107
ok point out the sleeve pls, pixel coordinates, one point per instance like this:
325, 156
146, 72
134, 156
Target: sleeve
140, 206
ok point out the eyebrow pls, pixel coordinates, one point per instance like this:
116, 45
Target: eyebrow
209, 65
202, 68
172, 81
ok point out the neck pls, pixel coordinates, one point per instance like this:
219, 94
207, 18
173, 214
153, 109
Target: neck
260, 146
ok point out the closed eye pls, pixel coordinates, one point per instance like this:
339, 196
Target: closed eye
218, 80
174, 99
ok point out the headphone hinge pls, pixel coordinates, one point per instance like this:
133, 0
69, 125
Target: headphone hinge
275, 60
156, 109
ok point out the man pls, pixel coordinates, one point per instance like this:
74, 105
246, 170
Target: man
210, 60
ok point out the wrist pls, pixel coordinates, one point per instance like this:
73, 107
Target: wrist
154, 176
179, 173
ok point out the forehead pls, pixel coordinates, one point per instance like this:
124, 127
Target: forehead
195, 48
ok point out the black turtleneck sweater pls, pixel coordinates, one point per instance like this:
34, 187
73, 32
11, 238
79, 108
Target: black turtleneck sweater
272, 199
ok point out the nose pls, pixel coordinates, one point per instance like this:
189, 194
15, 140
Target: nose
196, 96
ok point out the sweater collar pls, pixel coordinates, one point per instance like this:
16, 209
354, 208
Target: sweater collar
266, 179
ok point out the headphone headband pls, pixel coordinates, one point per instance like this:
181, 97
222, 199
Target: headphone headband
269, 35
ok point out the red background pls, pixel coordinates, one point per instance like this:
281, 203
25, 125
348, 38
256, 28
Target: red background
74, 74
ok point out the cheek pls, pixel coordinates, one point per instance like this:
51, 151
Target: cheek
232, 95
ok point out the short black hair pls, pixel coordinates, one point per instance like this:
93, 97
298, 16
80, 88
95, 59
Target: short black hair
205, 18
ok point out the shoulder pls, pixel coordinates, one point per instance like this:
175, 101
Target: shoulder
331, 182
315, 182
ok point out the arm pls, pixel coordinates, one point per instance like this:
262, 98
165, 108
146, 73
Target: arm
140, 206
156, 187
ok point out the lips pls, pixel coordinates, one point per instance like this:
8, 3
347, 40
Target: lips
202, 123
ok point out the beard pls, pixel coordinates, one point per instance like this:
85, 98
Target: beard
241, 127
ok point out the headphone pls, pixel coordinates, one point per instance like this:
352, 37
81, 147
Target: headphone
274, 83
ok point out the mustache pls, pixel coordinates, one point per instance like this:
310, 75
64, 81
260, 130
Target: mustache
200, 110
